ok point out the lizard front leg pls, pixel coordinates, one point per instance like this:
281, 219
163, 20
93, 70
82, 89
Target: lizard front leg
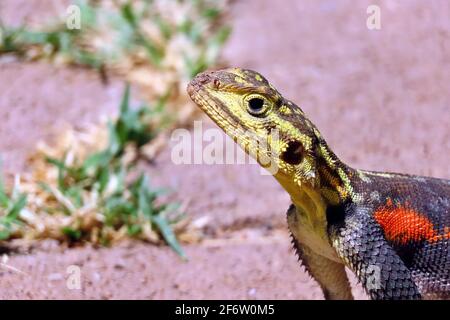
329, 274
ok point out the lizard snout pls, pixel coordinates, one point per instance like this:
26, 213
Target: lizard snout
199, 81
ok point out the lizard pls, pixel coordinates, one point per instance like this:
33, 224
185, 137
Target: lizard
391, 230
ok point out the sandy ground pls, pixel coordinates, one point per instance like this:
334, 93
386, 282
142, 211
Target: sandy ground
379, 97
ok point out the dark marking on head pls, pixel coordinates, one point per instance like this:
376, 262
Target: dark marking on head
294, 153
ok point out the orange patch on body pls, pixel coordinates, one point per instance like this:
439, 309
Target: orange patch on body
402, 224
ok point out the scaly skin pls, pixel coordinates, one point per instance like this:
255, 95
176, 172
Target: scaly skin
391, 230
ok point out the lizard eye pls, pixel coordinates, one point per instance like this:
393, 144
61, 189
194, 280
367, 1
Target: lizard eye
256, 105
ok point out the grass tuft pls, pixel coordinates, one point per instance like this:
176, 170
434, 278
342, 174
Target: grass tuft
89, 188
156, 45
100, 198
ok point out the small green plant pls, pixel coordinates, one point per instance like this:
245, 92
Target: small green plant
57, 40
108, 36
10, 207
100, 196
104, 191
105, 174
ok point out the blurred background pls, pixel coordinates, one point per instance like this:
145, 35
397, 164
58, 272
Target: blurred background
88, 179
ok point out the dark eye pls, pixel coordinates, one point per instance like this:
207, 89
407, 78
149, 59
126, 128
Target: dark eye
256, 104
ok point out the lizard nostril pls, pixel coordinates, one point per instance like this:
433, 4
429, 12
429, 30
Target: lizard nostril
216, 83
198, 82
203, 79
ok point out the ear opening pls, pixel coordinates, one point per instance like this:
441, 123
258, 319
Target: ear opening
294, 153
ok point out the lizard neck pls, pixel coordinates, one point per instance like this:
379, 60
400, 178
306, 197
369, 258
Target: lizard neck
312, 199
332, 184
335, 178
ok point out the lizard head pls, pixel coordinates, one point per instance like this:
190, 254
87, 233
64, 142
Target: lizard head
267, 126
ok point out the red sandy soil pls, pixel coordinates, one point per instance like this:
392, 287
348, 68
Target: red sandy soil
379, 97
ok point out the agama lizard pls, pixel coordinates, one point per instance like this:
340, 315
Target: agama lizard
392, 230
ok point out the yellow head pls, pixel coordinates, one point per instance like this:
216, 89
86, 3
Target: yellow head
266, 125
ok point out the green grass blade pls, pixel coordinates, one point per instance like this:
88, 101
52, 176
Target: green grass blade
125, 104
168, 235
4, 199
18, 205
